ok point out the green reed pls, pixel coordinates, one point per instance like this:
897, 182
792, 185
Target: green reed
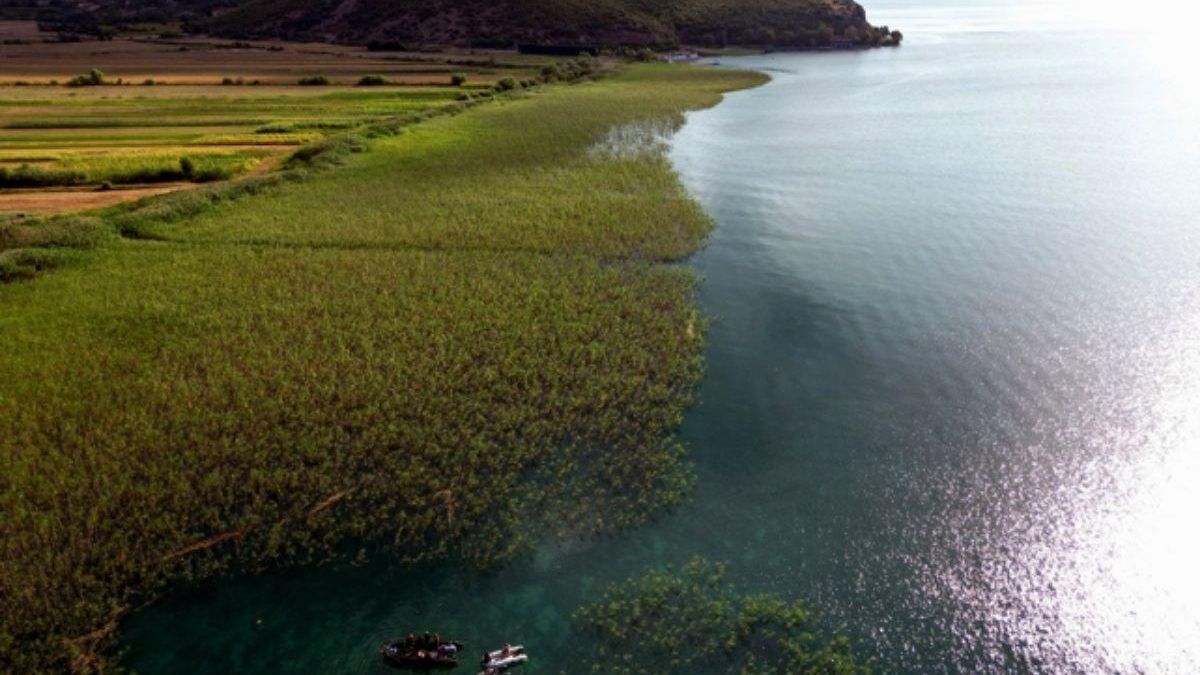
691, 620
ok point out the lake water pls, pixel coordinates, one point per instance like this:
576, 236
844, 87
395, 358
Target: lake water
953, 389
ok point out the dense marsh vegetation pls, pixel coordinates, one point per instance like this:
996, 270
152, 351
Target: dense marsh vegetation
445, 193
691, 620
451, 344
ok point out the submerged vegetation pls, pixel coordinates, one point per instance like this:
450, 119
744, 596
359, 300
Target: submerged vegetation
455, 340
691, 620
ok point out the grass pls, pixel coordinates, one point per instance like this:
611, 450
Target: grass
130, 167
96, 109
690, 620
450, 344
262, 138
551, 197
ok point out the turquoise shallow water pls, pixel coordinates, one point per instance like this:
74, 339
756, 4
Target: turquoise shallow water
953, 389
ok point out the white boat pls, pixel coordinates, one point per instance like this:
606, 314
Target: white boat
502, 659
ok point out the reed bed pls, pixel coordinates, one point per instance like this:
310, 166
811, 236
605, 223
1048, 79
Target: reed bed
452, 345
553, 195
691, 620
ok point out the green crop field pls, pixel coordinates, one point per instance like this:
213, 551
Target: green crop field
453, 338
63, 105
155, 166
58, 137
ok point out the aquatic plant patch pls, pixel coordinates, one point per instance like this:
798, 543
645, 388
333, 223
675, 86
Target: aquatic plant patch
690, 620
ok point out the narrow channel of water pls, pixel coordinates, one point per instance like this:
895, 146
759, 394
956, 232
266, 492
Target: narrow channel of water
953, 389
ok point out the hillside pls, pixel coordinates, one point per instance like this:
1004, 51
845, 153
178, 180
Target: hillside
482, 23
503, 23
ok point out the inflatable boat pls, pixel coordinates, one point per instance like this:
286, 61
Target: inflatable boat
414, 657
501, 659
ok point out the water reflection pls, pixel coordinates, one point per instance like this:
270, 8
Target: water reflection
646, 138
1076, 554
1011, 280
1138, 563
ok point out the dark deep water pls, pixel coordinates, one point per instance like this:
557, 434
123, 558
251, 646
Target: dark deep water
953, 389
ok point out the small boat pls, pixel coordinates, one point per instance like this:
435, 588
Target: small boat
420, 657
502, 659
506, 650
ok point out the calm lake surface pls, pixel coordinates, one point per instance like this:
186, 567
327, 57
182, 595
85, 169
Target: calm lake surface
953, 390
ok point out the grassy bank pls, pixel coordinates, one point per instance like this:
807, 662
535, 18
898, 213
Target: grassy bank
442, 348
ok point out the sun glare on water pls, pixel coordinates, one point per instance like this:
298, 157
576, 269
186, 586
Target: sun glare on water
1104, 576
1143, 560
1136, 563
1168, 16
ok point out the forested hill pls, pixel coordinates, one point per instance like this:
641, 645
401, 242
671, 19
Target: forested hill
591, 22
504, 23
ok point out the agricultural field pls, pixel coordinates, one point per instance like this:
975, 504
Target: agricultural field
37, 58
445, 332
135, 116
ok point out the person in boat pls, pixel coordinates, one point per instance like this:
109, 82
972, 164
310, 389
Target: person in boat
410, 641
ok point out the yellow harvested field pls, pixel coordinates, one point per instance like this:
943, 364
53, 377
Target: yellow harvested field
50, 202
